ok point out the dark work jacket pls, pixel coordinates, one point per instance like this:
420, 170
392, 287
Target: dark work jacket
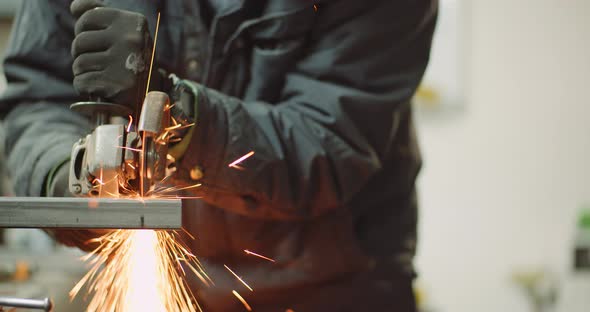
320, 91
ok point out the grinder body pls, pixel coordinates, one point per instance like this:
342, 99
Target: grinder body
118, 158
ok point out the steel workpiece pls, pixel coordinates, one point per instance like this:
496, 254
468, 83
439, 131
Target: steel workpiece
91, 213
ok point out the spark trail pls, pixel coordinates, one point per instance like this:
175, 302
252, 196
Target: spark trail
140, 270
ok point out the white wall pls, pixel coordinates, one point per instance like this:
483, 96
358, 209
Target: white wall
503, 179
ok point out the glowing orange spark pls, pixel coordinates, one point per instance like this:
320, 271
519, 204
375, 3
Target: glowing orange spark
239, 278
246, 305
100, 181
239, 160
177, 197
139, 271
130, 122
187, 233
176, 126
129, 148
315, 7
248, 252
153, 54
173, 189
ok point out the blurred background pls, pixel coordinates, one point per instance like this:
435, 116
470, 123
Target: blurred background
504, 122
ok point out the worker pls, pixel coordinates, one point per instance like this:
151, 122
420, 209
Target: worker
319, 91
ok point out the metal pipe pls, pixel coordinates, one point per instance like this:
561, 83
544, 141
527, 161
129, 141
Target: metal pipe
39, 304
93, 213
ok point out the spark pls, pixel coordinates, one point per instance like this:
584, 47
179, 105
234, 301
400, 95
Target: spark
235, 163
100, 181
130, 123
189, 197
178, 197
161, 139
169, 189
166, 177
153, 54
180, 126
167, 131
176, 126
132, 193
248, 252
187, 233
246, 305
315, 7
130, 148
239, 278
139, 271
188, 187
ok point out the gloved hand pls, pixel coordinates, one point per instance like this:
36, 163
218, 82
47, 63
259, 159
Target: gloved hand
111, 51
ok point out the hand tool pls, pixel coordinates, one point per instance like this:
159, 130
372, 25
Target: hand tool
112, 170
116, 160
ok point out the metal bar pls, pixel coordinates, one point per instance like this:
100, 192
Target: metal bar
93, 213
39, 304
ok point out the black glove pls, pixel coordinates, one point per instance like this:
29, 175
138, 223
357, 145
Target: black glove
111, 51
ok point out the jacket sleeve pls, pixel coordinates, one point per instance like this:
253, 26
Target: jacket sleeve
330, 132
40, 129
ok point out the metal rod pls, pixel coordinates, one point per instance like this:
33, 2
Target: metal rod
100, 118
94, 213
39, 304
